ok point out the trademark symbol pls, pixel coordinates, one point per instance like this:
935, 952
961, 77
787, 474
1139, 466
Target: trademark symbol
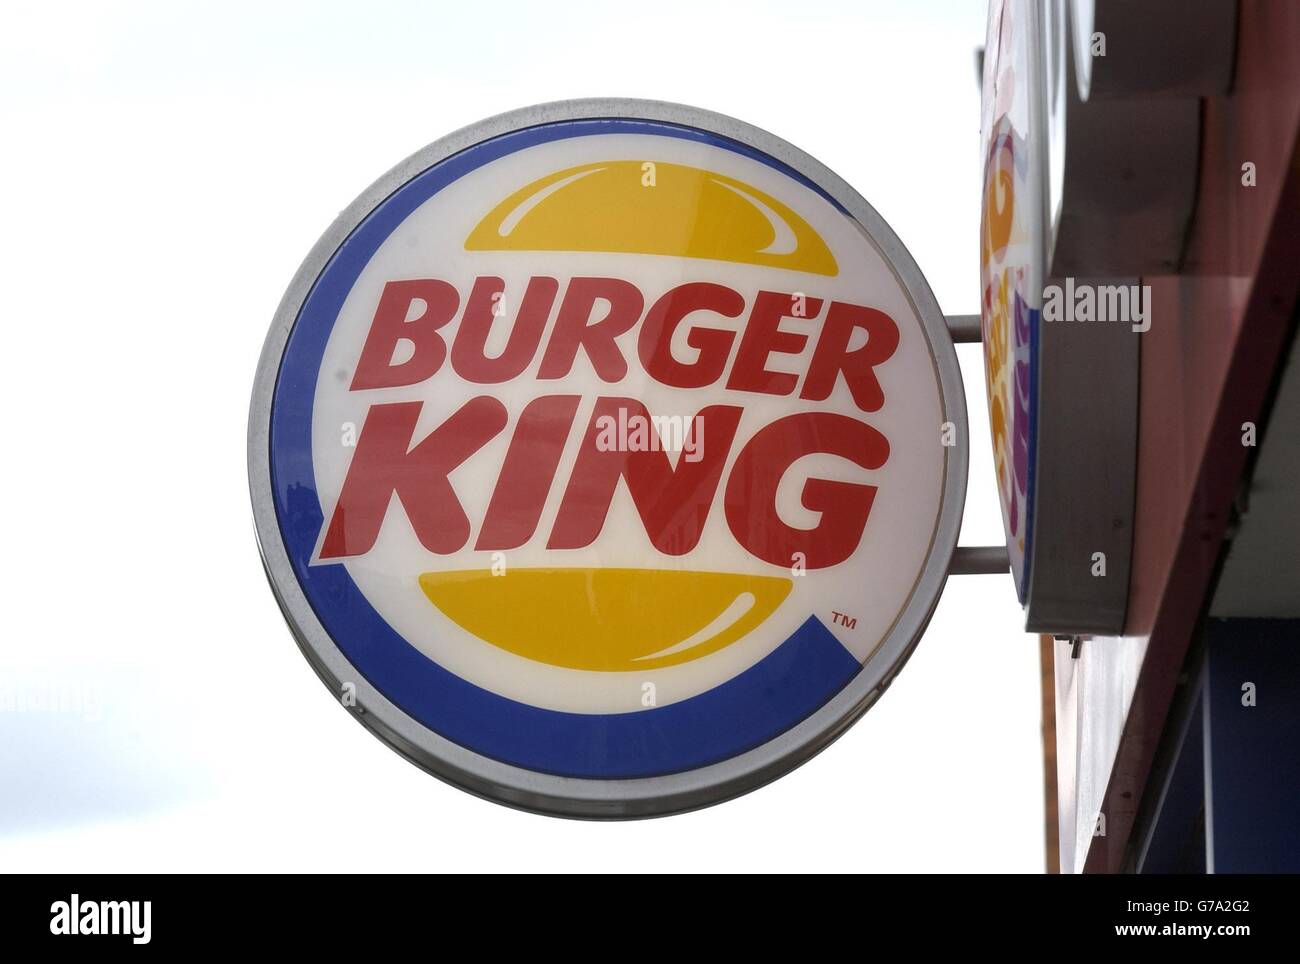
840, 619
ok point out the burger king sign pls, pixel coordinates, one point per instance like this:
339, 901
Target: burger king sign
607, 457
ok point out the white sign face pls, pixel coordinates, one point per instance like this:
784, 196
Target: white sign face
608, 451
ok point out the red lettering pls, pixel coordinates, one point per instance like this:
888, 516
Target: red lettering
525, 479
750, 498
375, 369
574, 328
469, 352
384, 464
831, 356
763, 337
673, 503
713, 344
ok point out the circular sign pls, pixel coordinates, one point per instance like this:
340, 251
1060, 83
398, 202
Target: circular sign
607, 457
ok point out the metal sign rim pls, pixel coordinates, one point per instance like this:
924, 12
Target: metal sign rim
615, 798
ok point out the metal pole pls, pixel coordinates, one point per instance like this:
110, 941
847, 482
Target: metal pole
964, 328
979, 561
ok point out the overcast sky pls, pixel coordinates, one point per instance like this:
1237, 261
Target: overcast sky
166, 168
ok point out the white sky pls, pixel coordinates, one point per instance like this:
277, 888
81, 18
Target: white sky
165, 169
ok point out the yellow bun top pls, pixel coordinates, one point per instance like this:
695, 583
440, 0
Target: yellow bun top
644, 207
